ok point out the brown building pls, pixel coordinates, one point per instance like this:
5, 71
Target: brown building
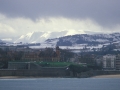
46, 55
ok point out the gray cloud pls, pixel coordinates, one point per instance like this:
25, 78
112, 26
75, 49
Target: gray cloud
104, 12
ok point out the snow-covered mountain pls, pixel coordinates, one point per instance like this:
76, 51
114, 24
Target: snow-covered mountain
94, 39
83, 40
68, 39
38, 37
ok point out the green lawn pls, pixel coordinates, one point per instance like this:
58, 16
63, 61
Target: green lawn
54, 64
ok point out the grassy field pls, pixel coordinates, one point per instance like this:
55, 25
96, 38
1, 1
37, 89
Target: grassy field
54, 64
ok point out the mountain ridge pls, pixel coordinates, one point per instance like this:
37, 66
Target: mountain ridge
77, 42
35, 37
81, 41
66, 38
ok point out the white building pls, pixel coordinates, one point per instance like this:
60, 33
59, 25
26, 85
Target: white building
109, 62
117, 63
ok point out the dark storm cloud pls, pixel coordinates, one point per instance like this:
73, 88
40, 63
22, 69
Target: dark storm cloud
105, 12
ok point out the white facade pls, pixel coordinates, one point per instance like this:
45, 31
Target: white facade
117, 63
109, 61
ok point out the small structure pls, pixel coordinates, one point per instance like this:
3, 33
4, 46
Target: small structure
109, 62
18, 65
23, 65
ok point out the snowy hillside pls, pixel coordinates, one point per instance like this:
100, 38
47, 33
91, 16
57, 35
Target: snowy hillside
38, 37
68, 40
80, 41
94, 39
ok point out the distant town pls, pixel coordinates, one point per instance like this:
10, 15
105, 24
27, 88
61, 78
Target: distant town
105, 58
56, 60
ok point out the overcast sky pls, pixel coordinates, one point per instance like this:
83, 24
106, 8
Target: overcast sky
19, 17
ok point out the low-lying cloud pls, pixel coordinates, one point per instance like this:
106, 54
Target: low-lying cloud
12, 27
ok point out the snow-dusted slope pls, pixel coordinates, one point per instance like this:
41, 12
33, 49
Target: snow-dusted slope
80, 41
89, 40
38, 37
69, 38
